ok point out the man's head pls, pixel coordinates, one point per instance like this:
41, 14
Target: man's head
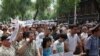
26, 34
39, 29
47, 32
96, 30
5, 29
29, 35
74, 29
5, 41
62, 37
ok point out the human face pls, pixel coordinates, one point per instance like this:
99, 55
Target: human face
33, 29
47, 32
85, 30
32, 35
49, 43
6, 43
61, 39
74, 30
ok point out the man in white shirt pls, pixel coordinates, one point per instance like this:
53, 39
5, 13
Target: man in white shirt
73, 39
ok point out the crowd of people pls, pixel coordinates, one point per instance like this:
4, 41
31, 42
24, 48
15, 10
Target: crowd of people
59, 40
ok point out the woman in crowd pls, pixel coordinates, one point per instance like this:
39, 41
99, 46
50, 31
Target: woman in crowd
46, 47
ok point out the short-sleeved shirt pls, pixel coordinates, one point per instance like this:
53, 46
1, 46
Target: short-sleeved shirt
72, 42
93, 45
84, 35
58, 46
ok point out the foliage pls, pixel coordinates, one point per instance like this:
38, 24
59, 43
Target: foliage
41, 6
13, 8
23, 6
20, 8
65, 6
9, 9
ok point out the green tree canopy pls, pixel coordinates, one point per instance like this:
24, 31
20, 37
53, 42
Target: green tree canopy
65, 6
41, 6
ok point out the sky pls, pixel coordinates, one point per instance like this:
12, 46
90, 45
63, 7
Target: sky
0, 2
33, 0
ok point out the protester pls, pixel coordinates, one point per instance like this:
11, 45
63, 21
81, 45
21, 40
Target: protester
73, 39
49, 40
92, 46
84, 36
58, 45
30, 48
6, 48
46, 47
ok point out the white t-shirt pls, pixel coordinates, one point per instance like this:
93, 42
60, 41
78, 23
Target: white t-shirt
72, 42
59, 47
84, 36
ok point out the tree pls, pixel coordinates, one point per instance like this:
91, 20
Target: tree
14, 8
65, 6
23, 6
41, 6
9, 9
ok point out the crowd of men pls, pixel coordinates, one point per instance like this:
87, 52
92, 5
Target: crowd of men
59, 40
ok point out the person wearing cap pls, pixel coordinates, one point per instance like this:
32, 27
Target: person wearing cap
6, 48
92, 45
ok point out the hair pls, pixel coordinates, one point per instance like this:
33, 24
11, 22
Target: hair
64, 36
45, 41
26, 34
72, 26
13, 28
4, 29
4, 37
54, 28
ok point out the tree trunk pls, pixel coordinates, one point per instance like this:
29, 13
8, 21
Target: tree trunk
34, 18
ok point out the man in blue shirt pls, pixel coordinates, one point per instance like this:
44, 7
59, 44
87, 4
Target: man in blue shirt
92, 46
